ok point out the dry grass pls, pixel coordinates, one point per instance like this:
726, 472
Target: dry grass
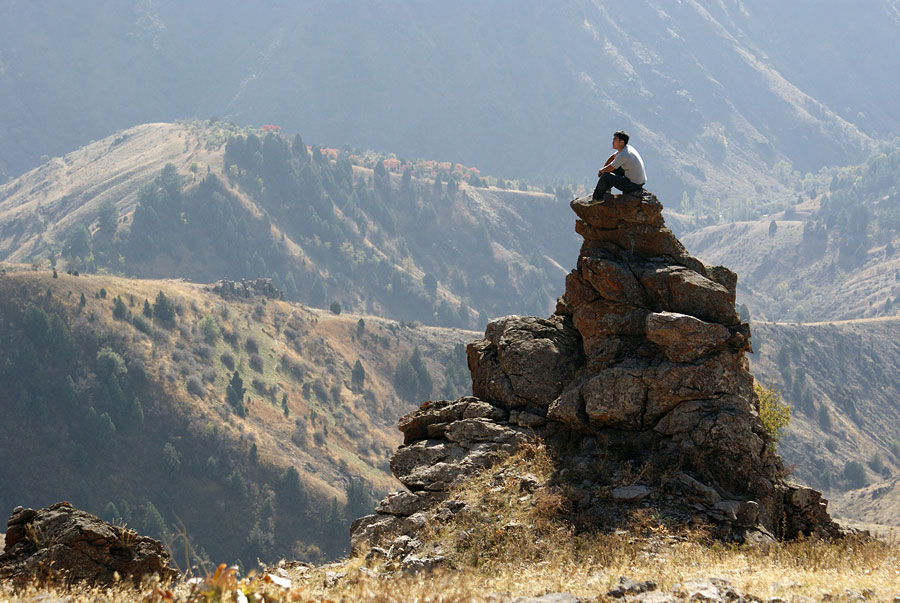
513, 542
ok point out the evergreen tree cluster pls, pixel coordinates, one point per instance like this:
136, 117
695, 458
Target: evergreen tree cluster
412, 379
862, 208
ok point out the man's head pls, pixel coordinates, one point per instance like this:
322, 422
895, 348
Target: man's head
620, 139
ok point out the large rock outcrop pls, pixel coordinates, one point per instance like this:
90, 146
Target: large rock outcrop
65, 545
641, 370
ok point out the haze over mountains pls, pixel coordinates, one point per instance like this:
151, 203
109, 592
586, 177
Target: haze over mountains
716, 93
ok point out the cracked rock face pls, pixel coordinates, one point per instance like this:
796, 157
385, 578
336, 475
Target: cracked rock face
63, 544
643, 363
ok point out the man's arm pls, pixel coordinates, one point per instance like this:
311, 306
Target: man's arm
607, 167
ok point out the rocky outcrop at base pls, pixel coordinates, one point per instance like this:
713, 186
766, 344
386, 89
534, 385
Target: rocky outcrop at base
639, 384
64, 545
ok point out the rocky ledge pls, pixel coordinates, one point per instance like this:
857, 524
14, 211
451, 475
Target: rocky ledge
639, 385
64, 545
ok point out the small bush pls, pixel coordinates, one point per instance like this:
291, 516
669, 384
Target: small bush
228, 360
335, 307
256, 362
876, 464
195, 386
251, 344
300, 435
230, 337
209, 374
211, 330
774, 412
142, 324
855, 474
260, 386
201, 350
290, 366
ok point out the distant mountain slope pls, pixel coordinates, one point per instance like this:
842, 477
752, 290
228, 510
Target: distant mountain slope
715, 93
828, 255
41, 204
841, 380
419, 241
131, 417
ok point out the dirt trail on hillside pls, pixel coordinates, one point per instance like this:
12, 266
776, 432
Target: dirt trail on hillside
874, 319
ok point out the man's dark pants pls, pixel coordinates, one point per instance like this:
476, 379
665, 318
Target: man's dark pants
617, 179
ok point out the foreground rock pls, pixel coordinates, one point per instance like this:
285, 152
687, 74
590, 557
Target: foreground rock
62, 544
639, 384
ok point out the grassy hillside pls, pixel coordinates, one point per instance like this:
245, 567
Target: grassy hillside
844, 436
410, 240
129, 416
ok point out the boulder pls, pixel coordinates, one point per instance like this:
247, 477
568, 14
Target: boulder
63, 544
419, 425
569, 408
630, 493
684, 338
406, 503
524, 362
678, 289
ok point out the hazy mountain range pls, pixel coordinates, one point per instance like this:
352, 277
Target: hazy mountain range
715, 92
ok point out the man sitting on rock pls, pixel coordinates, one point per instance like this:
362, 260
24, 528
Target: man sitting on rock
624, 169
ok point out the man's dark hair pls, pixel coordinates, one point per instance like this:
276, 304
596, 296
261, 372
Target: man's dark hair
622, 136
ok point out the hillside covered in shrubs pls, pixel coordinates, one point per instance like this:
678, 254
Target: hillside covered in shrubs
164, 406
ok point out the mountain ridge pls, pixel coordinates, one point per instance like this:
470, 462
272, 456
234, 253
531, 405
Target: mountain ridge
698, 84
323, 221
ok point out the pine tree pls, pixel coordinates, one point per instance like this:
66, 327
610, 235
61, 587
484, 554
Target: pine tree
154, 524
111, 513
359, 374
163, 309
234, 394
119, 309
